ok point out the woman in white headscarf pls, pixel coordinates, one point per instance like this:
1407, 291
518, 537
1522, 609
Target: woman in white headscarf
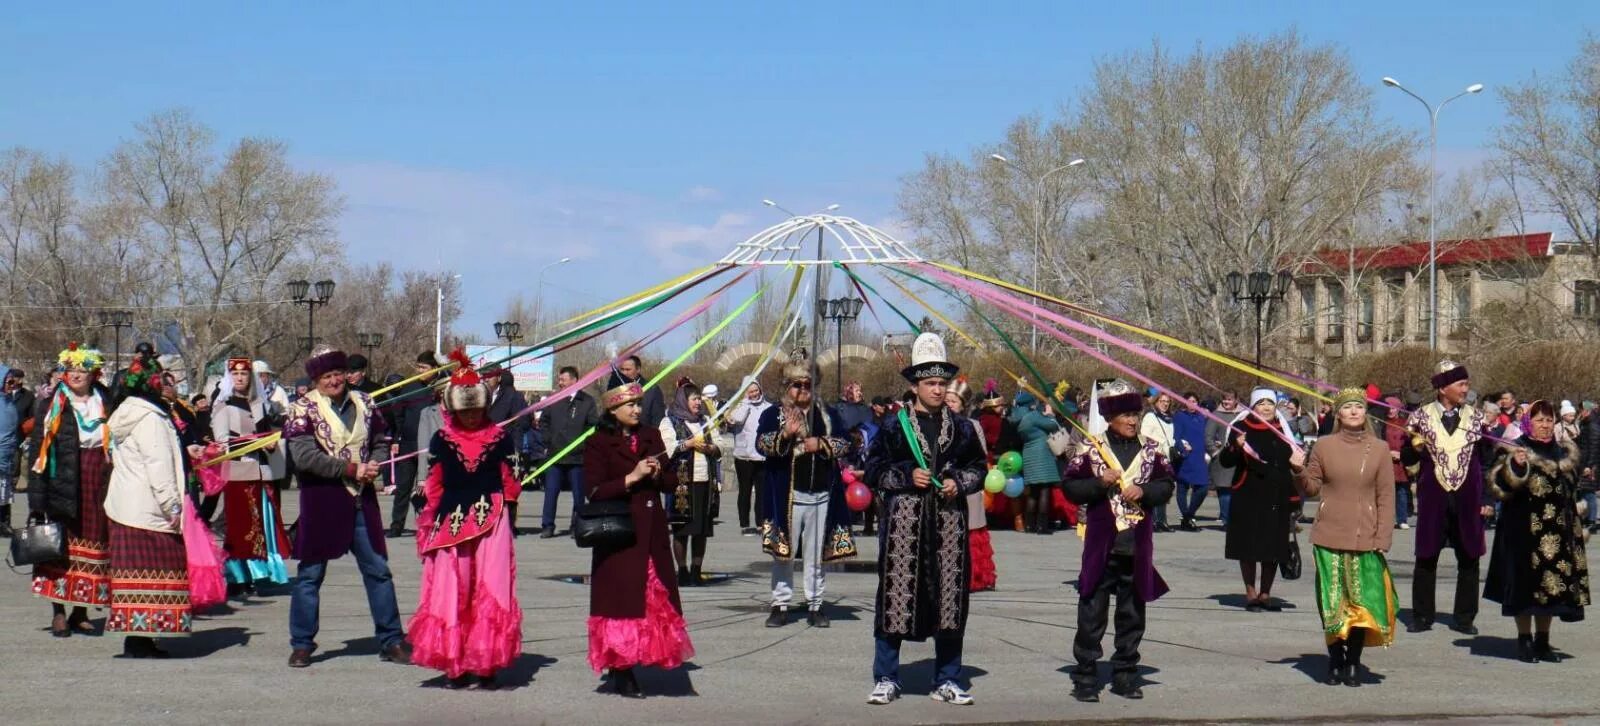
1263, 483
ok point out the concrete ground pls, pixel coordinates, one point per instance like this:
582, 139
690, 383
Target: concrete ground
1205, 658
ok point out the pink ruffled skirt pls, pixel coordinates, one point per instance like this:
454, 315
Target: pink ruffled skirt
468, 620
660, 638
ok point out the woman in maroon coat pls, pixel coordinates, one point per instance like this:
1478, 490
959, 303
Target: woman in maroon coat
635, 617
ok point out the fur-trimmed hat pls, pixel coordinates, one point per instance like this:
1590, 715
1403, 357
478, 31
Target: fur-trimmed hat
1118, 397
928, 360
467, 389
799, 367
1448, 372
323, 360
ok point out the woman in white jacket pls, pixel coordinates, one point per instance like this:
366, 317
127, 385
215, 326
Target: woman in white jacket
144, 503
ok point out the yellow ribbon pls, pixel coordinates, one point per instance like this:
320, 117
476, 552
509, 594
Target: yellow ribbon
669, 284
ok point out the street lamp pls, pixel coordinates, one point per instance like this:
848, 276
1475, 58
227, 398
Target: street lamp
1038, 225
840, 310
539, 291
1261, 288
508, 331
116, 320
369, 342
438, 316
1433, 172
312, 296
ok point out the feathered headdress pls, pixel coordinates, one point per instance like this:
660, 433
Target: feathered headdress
74, 358
467, 389
991, 394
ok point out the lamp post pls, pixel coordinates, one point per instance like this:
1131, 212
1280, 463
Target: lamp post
840, 310
1261, 288
538, 294
1433, 172
438, 316
1038, 227
116, 320
369, 342
312, 296
508, 331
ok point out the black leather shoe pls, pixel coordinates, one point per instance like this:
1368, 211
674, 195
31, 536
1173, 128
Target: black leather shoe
1127, 689
395, 533
816, 619
1465, 627
300, 658
1420, 625
395, 654
458, 683
1542, 649
1086, 694
139, 647
1350, 676
778, 618
1271, 605
547, 533
626, 684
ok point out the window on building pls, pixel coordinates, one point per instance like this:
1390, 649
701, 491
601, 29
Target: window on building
1335, 312
1308, 311
1395, 299
1367, 314
1586, 299
1460, 303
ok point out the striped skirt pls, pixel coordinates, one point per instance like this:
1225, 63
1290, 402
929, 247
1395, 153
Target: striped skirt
84, 577
1355, 590
149, 583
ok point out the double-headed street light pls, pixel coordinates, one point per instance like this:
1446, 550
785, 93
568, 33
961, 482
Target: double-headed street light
369, 342
840, 310
1038, 225
1433, 172
1260, 288
312, 296
508, 331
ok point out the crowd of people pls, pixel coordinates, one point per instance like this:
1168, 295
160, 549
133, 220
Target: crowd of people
132, 474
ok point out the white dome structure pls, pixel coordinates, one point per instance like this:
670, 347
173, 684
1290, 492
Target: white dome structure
841, 239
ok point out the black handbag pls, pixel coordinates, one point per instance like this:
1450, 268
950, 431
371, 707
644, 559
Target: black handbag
1289, 569
41, 541
604, 524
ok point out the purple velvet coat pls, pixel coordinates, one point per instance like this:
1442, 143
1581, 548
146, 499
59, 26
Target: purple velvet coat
1100, 523
1432, 499
327, 510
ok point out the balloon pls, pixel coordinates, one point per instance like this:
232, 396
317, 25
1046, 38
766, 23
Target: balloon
857, 496
849, 476
1014, 487
1010, 463
994, 481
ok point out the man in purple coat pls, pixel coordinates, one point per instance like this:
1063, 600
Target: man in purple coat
335, 439
1118, 547
1445, 457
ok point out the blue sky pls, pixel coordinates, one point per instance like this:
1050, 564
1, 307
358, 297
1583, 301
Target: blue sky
639, 138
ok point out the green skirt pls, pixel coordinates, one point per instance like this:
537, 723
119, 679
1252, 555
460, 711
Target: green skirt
1355, 590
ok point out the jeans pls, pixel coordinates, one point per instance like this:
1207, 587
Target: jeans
1224, 496
1402, 502
305, 602
1161, 516
556, 477
1590, 499
807, 532
1190, 497
946, 659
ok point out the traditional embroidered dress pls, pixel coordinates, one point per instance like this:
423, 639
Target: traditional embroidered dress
70, 477
1445, 458
1538, 566
790, 471
256, 541
467, 620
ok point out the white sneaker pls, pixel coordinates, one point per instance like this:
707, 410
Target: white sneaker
884, 692
951, 693
1404, 525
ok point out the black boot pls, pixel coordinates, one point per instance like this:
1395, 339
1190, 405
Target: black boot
5, 520
138, 646
1542, 649
694, 576
1525, 649
1336, 662
511, 518
778, 618
683, 578
1353, 645
626, 684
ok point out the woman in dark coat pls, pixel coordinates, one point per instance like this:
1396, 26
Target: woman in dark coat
1258, 521
1538, 570
635, 617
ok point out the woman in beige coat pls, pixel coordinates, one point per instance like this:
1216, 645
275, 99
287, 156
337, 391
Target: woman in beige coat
1352, 472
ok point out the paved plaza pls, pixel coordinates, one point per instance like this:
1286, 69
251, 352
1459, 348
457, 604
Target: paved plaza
1205, 658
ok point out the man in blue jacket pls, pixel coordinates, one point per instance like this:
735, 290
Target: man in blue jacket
9, 416
1194, 474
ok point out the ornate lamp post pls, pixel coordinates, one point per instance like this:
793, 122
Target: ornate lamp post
840, 310
1260, 288
312, 296
116, 320
508, 331
369, 342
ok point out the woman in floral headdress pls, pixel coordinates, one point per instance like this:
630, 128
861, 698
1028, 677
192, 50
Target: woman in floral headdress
468, 623
70, 474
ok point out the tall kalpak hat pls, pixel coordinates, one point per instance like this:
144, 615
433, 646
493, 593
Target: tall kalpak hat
87, 360
240, 364
619, 395
467, 389
1448, 372
928, 360
323, 360
1118, 397
799, 366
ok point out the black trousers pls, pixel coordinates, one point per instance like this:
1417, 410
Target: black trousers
747, 473
405, 475
1423, 604
1093, 611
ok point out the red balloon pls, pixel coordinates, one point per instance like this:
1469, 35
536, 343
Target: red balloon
849, 476
857, 496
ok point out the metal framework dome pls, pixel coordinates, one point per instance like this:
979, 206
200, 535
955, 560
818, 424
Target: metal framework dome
803, 240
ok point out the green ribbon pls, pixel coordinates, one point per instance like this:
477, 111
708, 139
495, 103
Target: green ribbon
911, 439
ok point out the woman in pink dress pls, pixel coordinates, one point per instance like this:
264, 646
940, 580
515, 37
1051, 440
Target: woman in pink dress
468, 623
